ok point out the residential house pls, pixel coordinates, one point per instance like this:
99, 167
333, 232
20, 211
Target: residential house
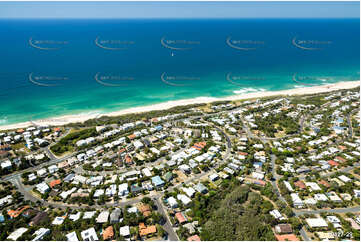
201, 188
180, 218
316, 223
72, 236
40, 233
108, 233
157, 181
124, 231
283, 229
89, 235
103, 217
115, 215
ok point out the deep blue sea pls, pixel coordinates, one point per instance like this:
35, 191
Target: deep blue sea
57, 67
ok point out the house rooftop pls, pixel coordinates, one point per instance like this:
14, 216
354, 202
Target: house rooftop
300, 184
194, 238
286, 237
108, 233
180, 217
157, 181
148, 230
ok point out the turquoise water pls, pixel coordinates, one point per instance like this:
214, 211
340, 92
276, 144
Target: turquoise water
58, 67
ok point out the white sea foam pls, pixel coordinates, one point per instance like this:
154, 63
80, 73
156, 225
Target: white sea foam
3, 121
248, 90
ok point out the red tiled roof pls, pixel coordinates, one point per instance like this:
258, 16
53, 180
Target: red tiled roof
53, 183
17, 212
325, 183
145, 210
149, 230
332, 163
199, 145
132, 136
128, 159
288, 237
180, 217
300, 184
108, 233
194, 238
142, 226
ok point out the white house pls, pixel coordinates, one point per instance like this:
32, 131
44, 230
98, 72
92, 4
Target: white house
42, 187
172, 202
189, 191
296, 200
184, 199
316, 222
124, 231
72, 236
6, 164
89, 235
123, 189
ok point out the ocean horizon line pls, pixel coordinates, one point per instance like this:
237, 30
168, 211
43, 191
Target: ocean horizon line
179, 18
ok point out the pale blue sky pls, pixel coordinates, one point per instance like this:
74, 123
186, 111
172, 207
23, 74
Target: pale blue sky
179, 9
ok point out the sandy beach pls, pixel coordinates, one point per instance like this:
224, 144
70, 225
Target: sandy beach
57, 121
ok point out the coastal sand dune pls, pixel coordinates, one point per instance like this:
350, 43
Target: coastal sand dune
56, 121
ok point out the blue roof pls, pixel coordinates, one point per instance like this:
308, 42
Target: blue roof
338, 127
157, 181
69, 177
158, 127
258, 164
2, 219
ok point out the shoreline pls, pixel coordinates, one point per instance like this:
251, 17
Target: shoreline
66, 119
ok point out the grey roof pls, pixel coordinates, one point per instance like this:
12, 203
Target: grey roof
114, 216
201, 188
69, 177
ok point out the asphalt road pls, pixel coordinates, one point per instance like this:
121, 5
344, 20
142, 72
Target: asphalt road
172, 235
276, 177
304, 235
336, 210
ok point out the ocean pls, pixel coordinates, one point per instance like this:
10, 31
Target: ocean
58, 67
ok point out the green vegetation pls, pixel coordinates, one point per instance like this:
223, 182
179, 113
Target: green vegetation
284, 123
232, 212
240, 217
67, 143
